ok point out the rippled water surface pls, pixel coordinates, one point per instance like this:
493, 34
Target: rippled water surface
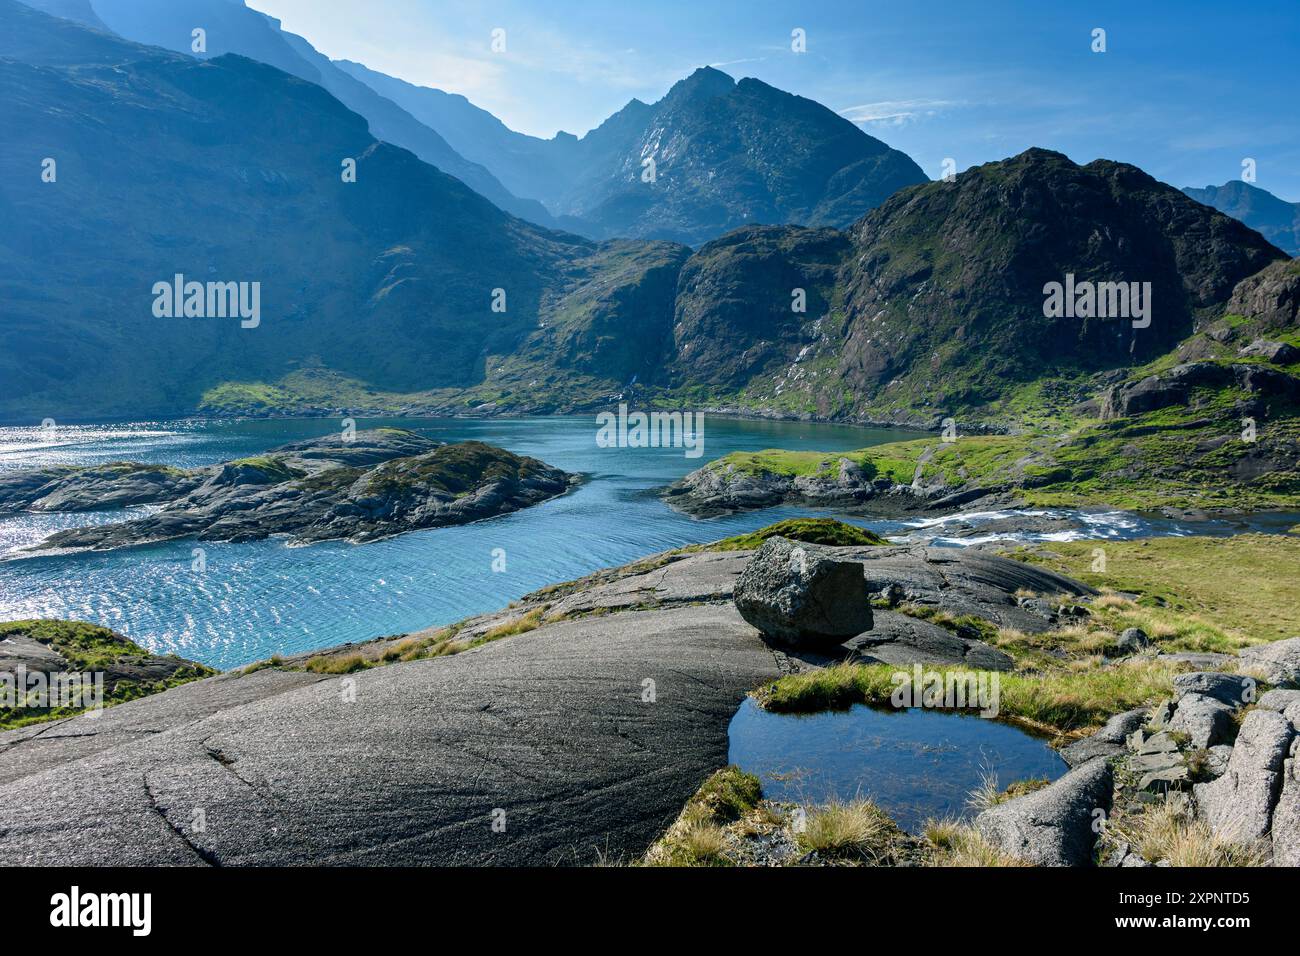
260, 598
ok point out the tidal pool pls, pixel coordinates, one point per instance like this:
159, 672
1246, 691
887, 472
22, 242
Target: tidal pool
916, 763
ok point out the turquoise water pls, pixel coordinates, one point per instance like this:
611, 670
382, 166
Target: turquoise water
916, 764
261, 598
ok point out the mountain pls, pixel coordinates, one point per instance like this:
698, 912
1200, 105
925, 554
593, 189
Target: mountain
931, 306
229, 170
378, 295
726, 155
527, 165
234, 28
79, 10
1275, 219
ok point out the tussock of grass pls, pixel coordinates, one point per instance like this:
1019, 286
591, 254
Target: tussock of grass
960, 844
697, 837
1164, 832
338, 665
858, 830
824, 531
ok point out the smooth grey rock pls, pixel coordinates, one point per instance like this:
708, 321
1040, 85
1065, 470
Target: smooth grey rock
1205, 720
1286, 817
550, 726
1216, 760
1106, 742
1279, 699
1278, 662
1239, 805
1231, 689
802, 594
902, 640
1161, 743
1052, 826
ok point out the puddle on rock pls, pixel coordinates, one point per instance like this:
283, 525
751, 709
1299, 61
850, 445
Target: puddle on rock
916, 764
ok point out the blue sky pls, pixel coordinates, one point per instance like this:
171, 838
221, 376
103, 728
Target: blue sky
1186, 90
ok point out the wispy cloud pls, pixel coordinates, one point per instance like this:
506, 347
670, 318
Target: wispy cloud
896, 112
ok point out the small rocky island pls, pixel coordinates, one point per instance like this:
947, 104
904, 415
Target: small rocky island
375, 484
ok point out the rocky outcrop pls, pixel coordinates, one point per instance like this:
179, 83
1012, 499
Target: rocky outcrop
1271, 296
803, 595
902, 640
370, 486
1054, 826
117, 485
1176, 387
1205, 720
1107, 742
1239, 805
1277, 663
51, 650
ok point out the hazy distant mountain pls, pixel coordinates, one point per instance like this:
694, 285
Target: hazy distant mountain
79, 10
527, 165
229, 170
1275, 219
233, 28
725, 154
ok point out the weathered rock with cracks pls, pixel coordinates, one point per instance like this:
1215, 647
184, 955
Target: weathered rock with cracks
1231, 689
1205, 720
1239, 805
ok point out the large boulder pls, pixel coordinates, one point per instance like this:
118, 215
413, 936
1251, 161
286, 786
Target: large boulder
1277, 663
803, 595
1239, 805
1053, 826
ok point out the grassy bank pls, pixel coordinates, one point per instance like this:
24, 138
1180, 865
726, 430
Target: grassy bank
90, 649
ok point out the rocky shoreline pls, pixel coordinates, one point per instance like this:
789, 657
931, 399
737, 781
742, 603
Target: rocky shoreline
371, 485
